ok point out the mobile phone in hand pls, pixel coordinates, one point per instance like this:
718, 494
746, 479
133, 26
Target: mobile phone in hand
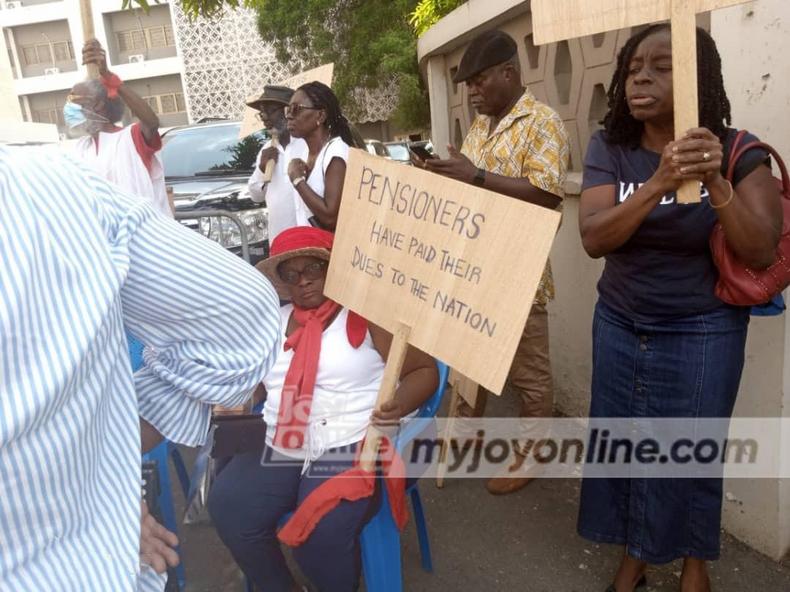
421, 152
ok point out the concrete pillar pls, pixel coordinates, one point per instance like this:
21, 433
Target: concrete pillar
440, 106
752, 40
27, 111
12, 47
9, 104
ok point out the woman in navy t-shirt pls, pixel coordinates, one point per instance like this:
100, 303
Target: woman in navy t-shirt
663, 344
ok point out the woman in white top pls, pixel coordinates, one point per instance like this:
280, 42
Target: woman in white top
320, 398
314, 115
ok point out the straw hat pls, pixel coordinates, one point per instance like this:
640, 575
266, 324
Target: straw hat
299, 241
272, 94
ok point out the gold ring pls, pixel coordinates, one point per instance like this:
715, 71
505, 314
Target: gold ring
706, 156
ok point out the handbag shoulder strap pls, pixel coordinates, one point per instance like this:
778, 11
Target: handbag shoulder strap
737, 151
734, 150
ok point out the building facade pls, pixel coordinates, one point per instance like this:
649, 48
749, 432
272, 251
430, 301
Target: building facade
187, 70
43, 42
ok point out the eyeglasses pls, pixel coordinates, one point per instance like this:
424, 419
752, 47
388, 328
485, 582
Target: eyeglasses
312, 271
295, 109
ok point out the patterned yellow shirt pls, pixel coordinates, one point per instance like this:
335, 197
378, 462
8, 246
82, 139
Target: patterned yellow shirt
530, 142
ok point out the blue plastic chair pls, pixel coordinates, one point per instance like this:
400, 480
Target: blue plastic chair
380, 540
160, 455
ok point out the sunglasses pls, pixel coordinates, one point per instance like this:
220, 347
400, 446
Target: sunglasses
313, 271
295, 109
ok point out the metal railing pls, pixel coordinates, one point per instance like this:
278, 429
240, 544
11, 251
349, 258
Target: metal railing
197, 215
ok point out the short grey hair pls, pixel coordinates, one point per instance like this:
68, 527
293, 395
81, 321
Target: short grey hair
114, 107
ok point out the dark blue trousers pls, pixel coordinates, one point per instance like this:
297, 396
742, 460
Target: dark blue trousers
248, 500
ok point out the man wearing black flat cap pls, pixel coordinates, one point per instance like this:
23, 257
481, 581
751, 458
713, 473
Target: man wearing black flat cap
278, 192
516, 146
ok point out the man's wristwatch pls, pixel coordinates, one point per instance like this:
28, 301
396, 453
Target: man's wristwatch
298, 180
480, 178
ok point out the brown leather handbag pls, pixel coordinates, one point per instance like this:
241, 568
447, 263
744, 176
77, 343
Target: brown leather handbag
738, 284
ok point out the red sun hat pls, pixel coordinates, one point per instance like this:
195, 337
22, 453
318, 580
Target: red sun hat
299, 241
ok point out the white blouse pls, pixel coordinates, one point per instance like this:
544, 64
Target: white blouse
334, 148
346, 389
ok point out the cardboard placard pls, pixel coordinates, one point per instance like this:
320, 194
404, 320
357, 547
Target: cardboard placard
457, 264
250, 122
556, 20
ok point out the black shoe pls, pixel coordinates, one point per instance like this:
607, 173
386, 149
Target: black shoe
640, 584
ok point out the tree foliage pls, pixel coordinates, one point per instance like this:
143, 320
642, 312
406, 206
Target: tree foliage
371, 42
243, 154
428, 12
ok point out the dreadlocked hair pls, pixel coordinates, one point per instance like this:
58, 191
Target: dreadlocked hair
322, 97
714, 106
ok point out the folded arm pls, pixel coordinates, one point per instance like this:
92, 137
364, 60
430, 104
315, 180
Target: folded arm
210, 323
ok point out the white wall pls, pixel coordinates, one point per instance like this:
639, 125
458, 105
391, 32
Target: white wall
753, 43
9, 104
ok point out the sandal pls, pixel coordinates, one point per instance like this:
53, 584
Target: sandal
640, 584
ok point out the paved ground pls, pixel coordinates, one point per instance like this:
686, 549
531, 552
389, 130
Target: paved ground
525, 542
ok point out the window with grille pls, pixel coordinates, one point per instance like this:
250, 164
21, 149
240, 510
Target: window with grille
147, 38
40, 53
124, 40
30, 55
153, 103
44, 55
48, 116
156, 37
131, 40
166, 103
63, 51
138, 39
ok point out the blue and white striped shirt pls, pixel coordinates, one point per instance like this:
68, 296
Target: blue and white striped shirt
79, 261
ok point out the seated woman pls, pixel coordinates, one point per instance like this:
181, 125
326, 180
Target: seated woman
321, 394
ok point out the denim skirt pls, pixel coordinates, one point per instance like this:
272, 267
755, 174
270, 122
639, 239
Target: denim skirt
681, 368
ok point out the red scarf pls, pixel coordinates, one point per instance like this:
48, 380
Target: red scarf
352, 484
111, 83
296, 400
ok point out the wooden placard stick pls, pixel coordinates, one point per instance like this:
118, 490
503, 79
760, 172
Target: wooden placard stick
462, 389
389, 382
88, 33
683, 24
441, 469
269, 170
556, 20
